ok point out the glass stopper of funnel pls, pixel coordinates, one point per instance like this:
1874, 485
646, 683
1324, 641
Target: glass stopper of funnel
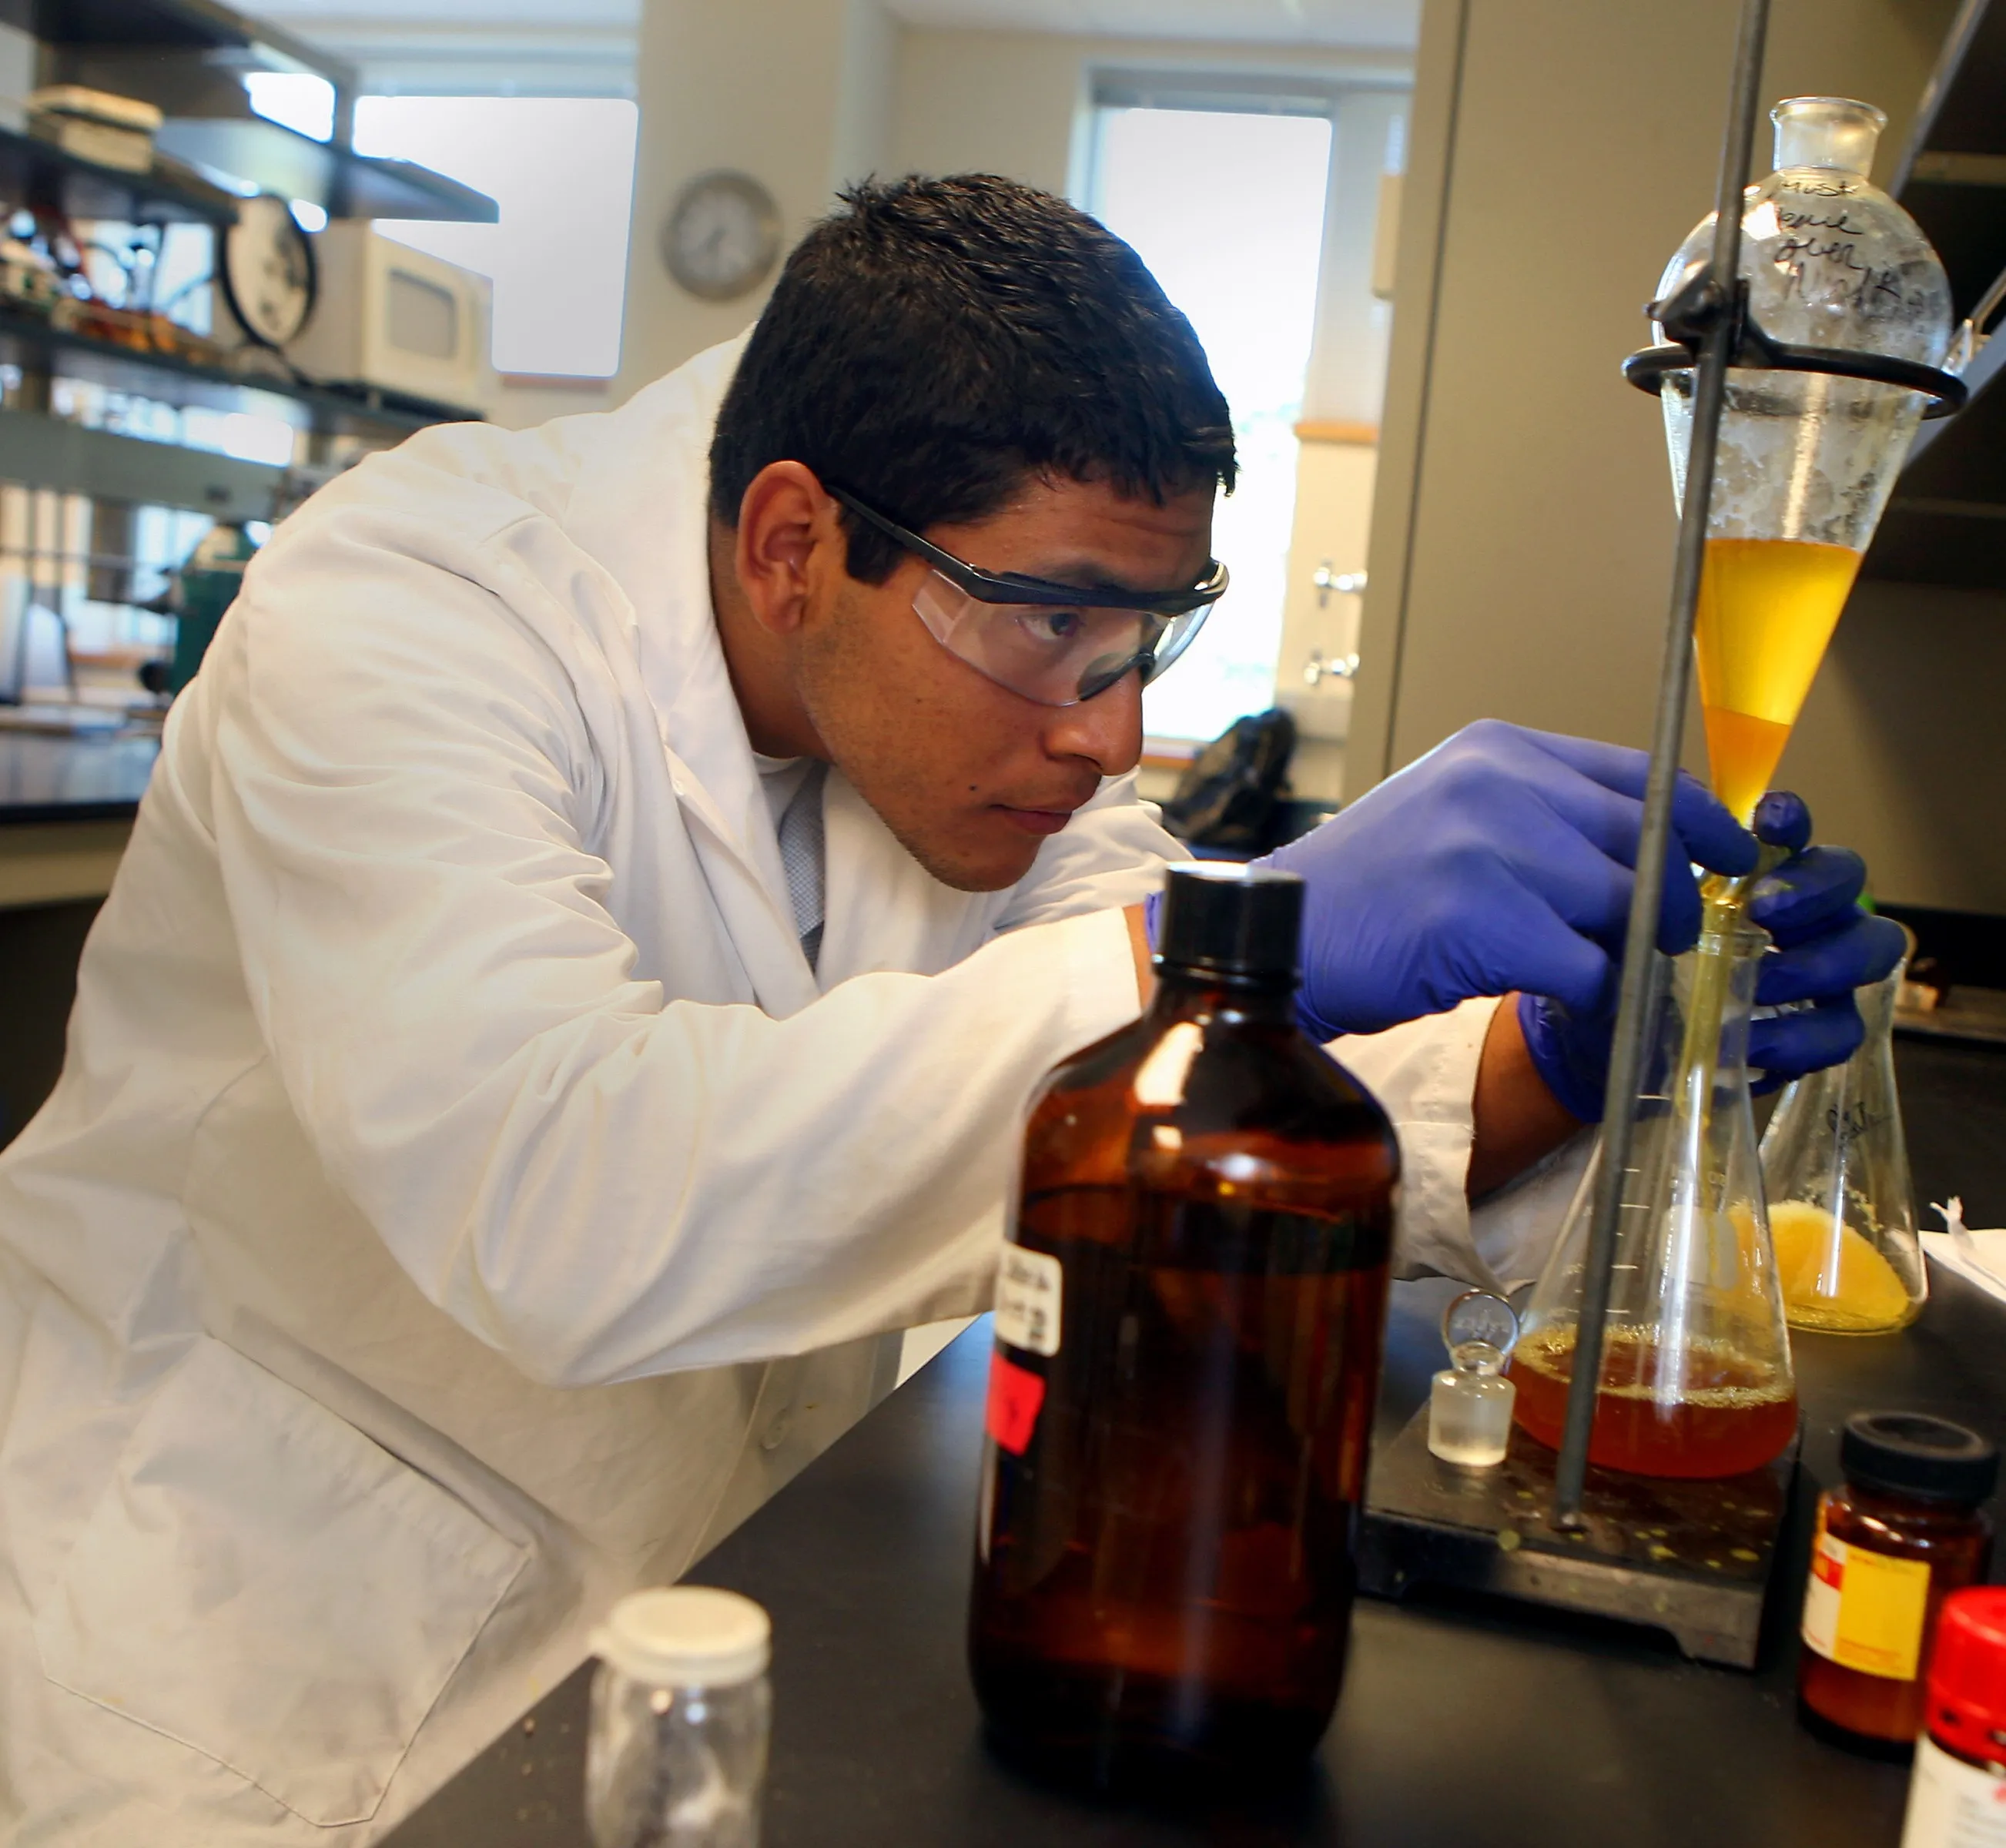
1469, 1402
1479, 1330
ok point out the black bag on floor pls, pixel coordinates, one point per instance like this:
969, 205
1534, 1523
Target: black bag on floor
1232, 795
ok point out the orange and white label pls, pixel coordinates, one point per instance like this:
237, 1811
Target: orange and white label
1863, 1610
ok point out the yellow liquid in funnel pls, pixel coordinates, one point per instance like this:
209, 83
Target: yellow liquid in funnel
1767, 608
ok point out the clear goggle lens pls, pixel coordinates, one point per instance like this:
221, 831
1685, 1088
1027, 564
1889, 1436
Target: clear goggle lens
1057, 655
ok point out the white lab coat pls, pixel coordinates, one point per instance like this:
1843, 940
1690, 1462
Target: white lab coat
462, 1201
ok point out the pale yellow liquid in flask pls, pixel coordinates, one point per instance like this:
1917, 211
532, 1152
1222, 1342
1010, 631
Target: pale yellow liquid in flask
1767, 609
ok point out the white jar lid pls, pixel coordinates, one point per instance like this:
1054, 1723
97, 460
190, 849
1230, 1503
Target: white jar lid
686, 1635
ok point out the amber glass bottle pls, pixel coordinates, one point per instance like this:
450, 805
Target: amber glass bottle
1188, 1328
1908, 1529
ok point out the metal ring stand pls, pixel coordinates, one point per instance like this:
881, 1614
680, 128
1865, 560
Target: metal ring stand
1947, 393
1707, 318
1698, 1559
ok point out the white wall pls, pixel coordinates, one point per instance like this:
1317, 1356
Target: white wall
519, 404
790, 91
1010, 102
806, 94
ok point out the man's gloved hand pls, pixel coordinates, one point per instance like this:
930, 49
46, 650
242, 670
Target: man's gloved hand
1501, 860
1825, 947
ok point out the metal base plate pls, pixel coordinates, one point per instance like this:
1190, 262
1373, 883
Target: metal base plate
1695, 1559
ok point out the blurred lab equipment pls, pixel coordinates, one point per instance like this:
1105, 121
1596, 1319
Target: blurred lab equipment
202, 589
95, 125
397, 319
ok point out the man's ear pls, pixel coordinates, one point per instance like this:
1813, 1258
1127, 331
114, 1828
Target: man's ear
788, 535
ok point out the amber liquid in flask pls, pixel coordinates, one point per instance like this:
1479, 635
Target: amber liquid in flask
1695, 1378
1188, 1335
1730, 1412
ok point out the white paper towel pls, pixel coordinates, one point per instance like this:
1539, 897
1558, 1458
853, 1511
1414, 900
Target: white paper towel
1979, 1257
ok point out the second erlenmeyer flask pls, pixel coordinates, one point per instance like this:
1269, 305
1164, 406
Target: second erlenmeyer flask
1836, 1170
1695, 1378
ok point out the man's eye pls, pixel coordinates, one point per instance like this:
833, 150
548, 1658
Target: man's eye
1053, 625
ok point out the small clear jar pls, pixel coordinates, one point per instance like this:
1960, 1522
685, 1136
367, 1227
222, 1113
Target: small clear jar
680, 1709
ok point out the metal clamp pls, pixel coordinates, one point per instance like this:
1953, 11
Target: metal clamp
1686, 314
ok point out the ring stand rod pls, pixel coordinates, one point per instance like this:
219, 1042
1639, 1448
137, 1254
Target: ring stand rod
1712, 312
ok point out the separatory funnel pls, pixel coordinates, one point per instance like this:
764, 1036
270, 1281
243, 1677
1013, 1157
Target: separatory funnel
1807, 458
1836, 1168
1695, 1379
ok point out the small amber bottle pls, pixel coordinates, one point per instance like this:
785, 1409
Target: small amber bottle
1908, 1529
1188, 1323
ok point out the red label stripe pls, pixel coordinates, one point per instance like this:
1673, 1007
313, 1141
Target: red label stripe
1016, 1394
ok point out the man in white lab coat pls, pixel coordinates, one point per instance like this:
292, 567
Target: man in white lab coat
570, 993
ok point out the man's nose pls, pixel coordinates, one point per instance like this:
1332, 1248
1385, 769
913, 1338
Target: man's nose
1106, 730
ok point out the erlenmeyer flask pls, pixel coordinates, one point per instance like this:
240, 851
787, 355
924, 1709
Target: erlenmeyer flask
1806, 459
1695, 1378
1835, 1169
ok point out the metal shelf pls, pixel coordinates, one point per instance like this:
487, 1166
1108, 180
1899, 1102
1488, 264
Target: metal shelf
27, 341
42, 451
1946, 522
185, 57
276, 159
178, 24
40, 175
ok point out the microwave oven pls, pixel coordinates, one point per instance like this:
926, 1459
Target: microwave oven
400, 319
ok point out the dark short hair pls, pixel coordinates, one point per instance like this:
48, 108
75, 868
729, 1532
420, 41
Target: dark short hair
935, 341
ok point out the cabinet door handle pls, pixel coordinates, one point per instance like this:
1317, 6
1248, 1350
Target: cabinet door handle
1319, 668
1346, 583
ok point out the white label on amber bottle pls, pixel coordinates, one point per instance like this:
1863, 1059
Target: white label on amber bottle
1865, 1610
1952, 1804
1029, 1287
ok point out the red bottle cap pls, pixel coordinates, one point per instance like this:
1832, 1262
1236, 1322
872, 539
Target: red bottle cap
1967, 1673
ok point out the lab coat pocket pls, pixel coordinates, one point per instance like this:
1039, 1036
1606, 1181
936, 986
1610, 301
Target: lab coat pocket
263, 1583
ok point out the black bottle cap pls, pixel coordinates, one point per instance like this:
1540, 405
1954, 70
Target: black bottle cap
1910, 1453
1231, 923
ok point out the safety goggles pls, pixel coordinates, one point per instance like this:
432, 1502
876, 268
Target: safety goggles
1056, 643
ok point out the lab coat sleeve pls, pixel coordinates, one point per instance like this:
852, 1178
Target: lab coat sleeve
601, 1182
1423, 1073
1112, 853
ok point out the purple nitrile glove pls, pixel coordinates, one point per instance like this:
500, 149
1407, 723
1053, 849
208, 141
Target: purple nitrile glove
1825, 947
1501, 860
